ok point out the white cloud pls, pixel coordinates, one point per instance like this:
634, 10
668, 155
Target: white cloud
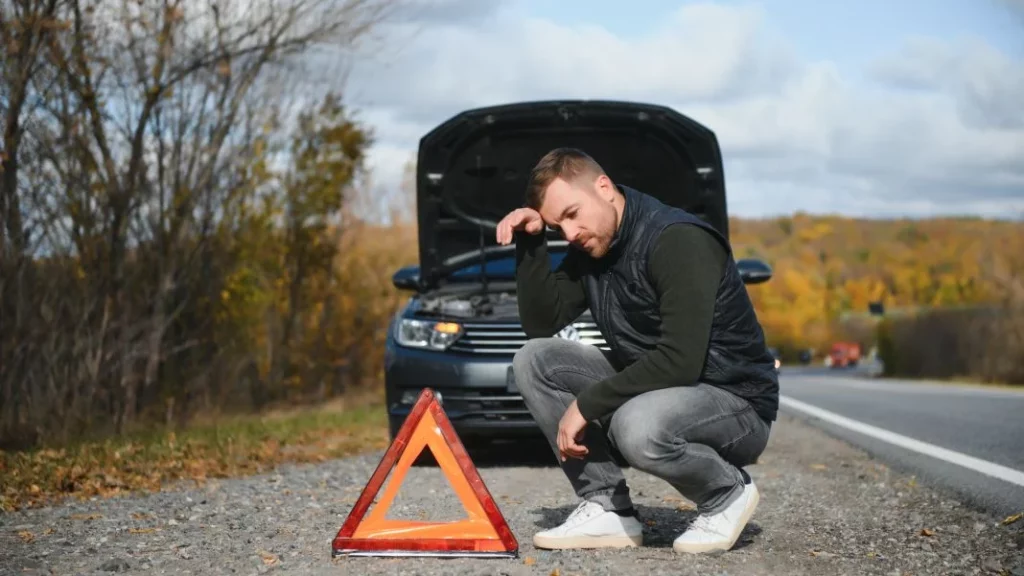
938, 128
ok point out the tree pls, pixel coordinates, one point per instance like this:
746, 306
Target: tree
132, 135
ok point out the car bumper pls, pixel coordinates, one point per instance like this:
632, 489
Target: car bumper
477, 391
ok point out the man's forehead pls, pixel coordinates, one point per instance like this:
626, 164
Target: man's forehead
559, 196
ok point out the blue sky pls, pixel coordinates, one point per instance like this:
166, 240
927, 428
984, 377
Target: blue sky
850, 33
867, 108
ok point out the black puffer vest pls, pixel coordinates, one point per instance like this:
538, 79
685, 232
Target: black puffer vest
625, 306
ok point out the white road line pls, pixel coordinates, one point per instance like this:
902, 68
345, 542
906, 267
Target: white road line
951, 456
910, 387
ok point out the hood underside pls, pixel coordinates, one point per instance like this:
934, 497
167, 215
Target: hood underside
472, 169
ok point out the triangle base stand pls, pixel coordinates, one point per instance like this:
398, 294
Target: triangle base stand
483, 534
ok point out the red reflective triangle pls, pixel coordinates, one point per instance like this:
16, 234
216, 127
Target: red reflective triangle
484, 533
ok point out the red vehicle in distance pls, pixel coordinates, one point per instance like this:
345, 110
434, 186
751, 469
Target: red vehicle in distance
844, 354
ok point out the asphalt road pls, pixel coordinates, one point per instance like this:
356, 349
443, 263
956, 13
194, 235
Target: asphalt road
974, 434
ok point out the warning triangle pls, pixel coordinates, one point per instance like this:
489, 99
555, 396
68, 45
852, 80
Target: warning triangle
484, 532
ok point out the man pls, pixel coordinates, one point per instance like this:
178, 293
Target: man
688, 392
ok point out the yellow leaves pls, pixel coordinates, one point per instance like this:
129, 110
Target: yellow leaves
927, 532
1011, 519
815, 232
828, 269
819, 467
26, 536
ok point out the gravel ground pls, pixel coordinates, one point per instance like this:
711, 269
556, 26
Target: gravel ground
826, 508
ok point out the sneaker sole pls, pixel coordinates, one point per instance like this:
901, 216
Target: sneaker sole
571, 542
715, 547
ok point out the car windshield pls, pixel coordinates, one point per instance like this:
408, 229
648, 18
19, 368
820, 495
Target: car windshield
501, 269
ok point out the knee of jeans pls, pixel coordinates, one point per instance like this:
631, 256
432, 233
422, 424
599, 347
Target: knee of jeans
645, 446
527, 361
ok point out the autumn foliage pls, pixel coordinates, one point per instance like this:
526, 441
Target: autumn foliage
952, 288
173, 185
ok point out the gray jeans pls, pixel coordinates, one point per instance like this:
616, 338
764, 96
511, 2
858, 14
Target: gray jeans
696, 438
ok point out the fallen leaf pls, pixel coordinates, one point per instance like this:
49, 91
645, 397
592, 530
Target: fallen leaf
48, 531
529, 561
650, 522
555, 572
268, 558
927, 532
819, 467
26, 536
143, 530
86, 516
1011, 519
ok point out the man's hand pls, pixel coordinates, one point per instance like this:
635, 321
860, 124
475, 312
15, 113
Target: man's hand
570, 431
520, 219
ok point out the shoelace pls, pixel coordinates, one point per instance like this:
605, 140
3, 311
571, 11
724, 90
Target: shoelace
703, 522
582, 512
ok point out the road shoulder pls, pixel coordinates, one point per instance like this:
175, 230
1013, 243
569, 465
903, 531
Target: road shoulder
826, 508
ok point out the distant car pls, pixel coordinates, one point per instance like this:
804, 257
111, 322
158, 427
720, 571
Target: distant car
844, 355
778, 357
806, 357
460, 329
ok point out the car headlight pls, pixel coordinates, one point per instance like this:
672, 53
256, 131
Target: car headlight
428, 334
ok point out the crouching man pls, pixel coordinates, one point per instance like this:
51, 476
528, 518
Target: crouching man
688, 392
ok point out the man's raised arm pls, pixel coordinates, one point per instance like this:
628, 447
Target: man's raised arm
548, 300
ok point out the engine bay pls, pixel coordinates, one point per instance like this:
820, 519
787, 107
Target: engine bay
490, 305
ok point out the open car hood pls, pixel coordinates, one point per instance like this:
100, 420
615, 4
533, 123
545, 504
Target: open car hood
472, 169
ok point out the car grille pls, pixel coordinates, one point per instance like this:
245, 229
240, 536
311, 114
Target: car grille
462, 403
507, 338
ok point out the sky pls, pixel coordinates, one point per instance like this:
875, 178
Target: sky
862, 108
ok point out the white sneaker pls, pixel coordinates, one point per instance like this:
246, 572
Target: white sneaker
591, 526
719, 531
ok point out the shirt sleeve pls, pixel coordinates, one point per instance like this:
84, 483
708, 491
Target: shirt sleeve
685, 267
548, 299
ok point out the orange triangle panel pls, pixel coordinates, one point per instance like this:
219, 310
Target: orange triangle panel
483, 533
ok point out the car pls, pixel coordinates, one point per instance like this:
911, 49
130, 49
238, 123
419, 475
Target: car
459, 330
806, 356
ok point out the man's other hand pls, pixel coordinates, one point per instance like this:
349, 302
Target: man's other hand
570, 431
526, 219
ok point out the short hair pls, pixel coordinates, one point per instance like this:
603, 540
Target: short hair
569, 164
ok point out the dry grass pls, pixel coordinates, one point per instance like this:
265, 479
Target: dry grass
233, 447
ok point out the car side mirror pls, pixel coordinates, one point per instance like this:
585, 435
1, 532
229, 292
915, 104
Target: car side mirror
407, 278
754, 270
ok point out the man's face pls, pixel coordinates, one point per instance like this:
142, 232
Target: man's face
583, 212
